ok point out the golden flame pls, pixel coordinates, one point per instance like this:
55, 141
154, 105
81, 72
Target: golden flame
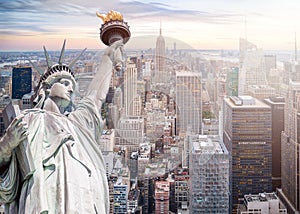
110, 16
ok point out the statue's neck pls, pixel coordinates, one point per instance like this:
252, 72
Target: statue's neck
51, 105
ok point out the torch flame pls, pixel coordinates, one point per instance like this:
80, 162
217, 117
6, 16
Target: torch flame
110, 16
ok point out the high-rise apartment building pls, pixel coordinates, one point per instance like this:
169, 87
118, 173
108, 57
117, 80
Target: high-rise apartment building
21, 81
290, 150
188, 100
247, 136
209, 175
160, 60
182, 188
162, 197
277, 111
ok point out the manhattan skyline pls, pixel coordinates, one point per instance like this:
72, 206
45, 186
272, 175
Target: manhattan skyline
29, 24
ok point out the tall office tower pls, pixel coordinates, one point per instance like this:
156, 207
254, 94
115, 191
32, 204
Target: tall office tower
162, 197
232, 82
270, 63
131, 98
252, 71
247, 136
277, 112
21, 81
209, 176
290, 150
188, 100
160, 60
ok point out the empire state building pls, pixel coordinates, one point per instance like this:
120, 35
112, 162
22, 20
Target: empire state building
160, 60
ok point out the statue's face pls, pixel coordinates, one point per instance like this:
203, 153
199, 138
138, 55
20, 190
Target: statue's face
62, 90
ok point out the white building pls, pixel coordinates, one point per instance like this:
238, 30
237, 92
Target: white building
188, 99
262, 203
209, 175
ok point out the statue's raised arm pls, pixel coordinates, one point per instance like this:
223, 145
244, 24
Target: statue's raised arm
111, 59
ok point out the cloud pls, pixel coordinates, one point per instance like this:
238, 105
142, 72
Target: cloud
137, 10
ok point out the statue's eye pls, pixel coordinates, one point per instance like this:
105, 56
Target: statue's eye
65, 82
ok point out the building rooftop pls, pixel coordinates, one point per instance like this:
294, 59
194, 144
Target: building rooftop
208, 145
261, 197
245, 102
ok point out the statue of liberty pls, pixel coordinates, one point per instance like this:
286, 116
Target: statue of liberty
49, 159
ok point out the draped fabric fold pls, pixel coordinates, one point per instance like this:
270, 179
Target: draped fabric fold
66, 172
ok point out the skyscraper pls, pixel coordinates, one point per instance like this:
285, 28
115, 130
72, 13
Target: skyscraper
277, 110
209, 175
132, 100
252, 70
21, 81
290, 150
160, 60
247, 136
188, 99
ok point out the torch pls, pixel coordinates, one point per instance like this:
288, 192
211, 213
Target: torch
114, 28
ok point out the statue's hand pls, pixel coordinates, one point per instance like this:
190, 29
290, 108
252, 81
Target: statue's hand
114, 51
15, 134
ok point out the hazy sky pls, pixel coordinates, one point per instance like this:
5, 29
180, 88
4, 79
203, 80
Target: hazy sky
202, 24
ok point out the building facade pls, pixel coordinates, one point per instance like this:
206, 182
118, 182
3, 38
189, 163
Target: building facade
21, 81
262, 203
162, 197
290, 150
209, 176
277, 111
247, 136
189, 101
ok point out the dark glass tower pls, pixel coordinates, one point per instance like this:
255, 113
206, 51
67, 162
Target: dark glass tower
21, 81
247, 136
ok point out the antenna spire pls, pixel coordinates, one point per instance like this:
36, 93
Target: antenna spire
160, 28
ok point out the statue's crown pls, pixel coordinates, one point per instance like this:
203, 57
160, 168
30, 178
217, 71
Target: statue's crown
54, 70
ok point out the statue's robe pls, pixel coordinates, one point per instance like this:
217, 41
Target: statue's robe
66, 171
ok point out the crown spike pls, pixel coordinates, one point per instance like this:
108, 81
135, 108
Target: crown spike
74, 60
49, 62
41, 72
60, 61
